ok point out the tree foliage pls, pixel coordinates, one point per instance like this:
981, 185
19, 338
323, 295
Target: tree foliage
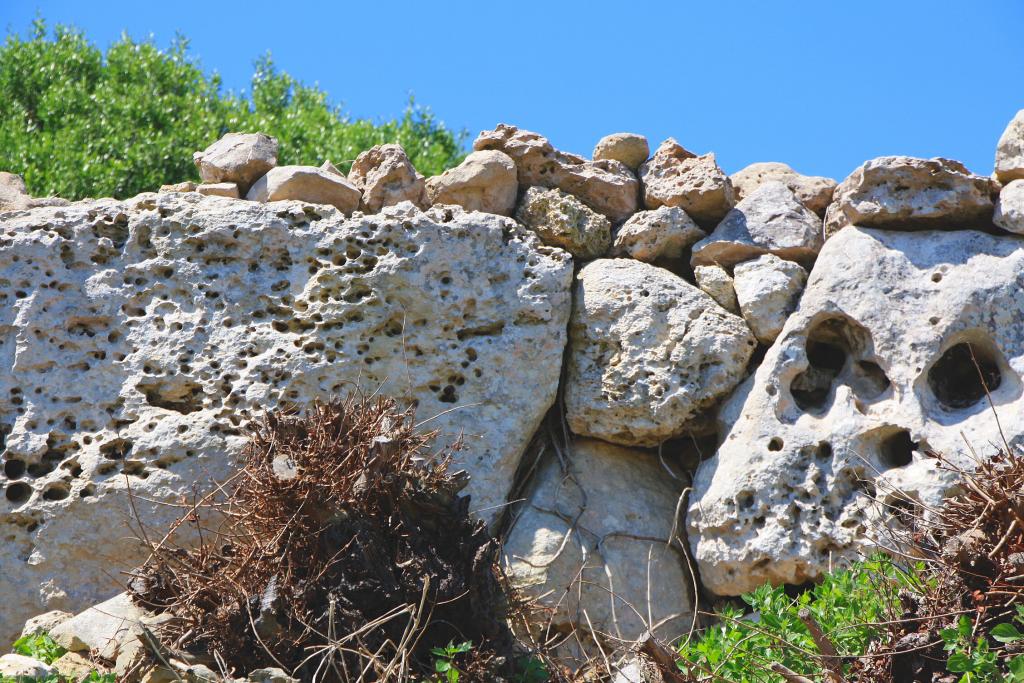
76, 122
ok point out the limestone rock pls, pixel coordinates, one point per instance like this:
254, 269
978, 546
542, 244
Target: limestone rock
1009, 213
140, 336
906, 193
485, 181
771, 220
561, 220
1010, 151
648, 352
74, 667
270, 675
44, 623
330, 168
767, 290
186, 186
872, 369
306, 184
13, 193
606, 186
675, 176
386, 177
814, 192
239, 158
624, 498
105, 628
219, 190
665, 233
19, 667
716, 282
629, 148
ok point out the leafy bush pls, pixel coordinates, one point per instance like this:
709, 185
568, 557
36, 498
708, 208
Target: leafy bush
42, 647
76, 122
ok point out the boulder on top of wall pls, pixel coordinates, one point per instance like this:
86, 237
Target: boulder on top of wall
484, 181
218, 190
675, 176
14, 196
178, 318
664, 233
648, 353
770, 220
385, 176
907, 193
1009, 214
767, 290
1010, 151
629, 148
815, 192
306, 184
873, 370
239, 158
623, 507
606, 186
562, 220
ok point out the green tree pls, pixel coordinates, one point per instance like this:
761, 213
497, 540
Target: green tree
76, 122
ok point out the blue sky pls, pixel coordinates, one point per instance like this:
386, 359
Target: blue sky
820, 84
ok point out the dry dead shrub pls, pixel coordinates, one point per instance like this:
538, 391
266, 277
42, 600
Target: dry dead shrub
341, 551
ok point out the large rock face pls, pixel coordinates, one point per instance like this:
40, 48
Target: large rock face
138, 338
584, 538
873, 369
648, 353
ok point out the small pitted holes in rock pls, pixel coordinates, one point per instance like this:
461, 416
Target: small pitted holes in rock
897, 449
775, 444
960, 377
18, 492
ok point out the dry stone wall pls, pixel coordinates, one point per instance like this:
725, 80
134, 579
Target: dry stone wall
794, 348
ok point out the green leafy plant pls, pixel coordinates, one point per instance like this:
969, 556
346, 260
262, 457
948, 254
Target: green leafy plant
444, 660
39, 646
531, 670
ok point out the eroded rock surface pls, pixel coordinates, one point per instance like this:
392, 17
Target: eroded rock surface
138, 338
629, 148
1009, 214
873, 369
767, 290
306, 184
484, 181
606, 186
1010, 151
386, 177
815, 192
674, 176
716, 282
239, 158
562, 220
906, 193
665, 233
648, 352
616, 505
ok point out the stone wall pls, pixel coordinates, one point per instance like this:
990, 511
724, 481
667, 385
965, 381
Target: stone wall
793, 348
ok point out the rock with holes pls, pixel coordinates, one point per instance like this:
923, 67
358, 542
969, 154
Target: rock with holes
648, 353
872, 370
306, 184
674, 176
485, 181
767, 290
561, 220
629, 148
386, 177
607, 186
139, 337
716, 282
663, 234
814, 192
599, 538
1009, 213
770, 220
239, 158
906, 193
1010, 151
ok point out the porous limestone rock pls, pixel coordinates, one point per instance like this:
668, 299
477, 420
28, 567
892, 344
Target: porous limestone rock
873, 369
648, 352
1009, 214
674, 176
19, 668
14, 195
485, 181
330, 168
770, 220
664, 233
1010, 151
767, 290
618, 507
107, 629
229, 190
239, 158
814, 192
606, 186
140, 336
629, 148
716, 282
185, 186
386, 177
74, 667
306, 184
906, 193
562, 220
45, 622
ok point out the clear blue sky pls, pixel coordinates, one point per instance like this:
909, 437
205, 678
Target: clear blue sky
819, 84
